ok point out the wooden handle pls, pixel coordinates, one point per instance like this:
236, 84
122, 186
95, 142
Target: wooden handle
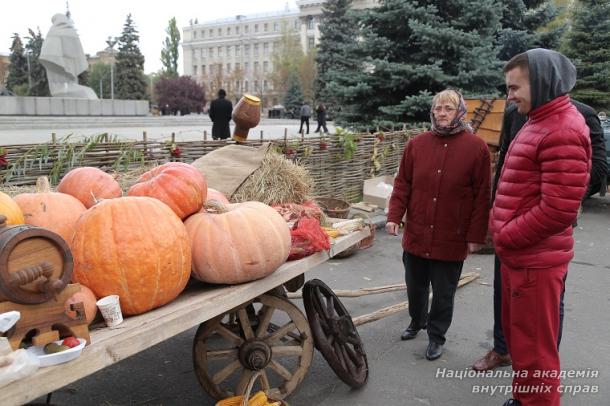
28, 275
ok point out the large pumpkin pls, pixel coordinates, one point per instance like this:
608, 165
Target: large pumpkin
55, 211
181, 186
89, 185
134, 247
87, 298
214, 194
238, 242
10, 209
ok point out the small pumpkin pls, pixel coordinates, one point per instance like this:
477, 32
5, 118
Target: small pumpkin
134, 247
87, 298
214, 194
10, 209
89, 185
237, 243
181, 186
55, 211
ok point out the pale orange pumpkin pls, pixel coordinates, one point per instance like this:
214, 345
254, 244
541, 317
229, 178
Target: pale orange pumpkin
89, 185
10, 209
238, 242
87, 298
181, 186
214, 194
55, 211
134, 247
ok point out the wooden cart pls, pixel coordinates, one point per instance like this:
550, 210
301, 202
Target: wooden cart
243, 329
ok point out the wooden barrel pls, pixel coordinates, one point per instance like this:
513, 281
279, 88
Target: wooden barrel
35, 264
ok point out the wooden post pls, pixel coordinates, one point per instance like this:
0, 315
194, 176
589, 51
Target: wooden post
173, 138
205, 135
145, 139
53, 138
285, 133
261, 135
302, 137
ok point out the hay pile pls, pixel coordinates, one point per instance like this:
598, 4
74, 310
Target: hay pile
277, 181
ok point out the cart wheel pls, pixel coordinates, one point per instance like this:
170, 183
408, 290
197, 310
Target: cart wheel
229, 349
334, 333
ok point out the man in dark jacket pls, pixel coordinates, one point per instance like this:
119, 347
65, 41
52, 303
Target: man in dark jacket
220, 114
543, 179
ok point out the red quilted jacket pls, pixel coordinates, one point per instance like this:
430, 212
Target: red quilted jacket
541, 185
443, 184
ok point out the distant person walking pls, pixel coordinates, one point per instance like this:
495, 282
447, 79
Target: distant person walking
220, 114
321, 118
305, 114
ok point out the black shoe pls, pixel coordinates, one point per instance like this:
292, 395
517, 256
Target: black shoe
434, 351
512, 402
411, 332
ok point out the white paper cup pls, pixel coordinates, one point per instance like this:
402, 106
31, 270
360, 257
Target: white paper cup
111, 310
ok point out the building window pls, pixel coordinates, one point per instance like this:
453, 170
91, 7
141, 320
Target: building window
265, 67
228, 30
228, 68
220, 32
246, 50
296, 24
276, 46
202, 53
237, 66
265, 85
265, 27
237, 85
220, 68
256, 85
246, 66
194, 34
211, 33
246, 87
276, 26
193, 54
211, 52
219, 52
195, 70
310, 22
211, 69
310, 43
237, 50
266, 48
237, 30
256, 67
255, 46
203, 72
228, 51
255, 27
202, 33
246, 28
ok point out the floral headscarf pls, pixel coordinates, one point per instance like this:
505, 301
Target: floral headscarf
458, 124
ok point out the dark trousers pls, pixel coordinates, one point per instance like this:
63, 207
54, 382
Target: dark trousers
321, 124
420, 273
305, 120
499, 340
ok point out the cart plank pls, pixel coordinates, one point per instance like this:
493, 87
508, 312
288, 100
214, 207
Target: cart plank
194, 306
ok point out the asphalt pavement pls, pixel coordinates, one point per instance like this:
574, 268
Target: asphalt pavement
399, 373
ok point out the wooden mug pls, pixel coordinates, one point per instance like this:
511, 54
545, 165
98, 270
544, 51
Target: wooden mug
246, 115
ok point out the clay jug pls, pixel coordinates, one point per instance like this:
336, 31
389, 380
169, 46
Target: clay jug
246, 115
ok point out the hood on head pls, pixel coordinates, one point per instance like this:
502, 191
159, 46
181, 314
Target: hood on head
551, 75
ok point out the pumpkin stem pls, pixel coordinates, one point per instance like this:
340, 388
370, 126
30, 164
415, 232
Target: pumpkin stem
43, 185
215, 206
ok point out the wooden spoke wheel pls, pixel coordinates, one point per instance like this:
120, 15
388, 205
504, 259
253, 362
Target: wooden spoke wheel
334, 333
270, 335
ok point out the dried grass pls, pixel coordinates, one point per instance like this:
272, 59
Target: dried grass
277, 181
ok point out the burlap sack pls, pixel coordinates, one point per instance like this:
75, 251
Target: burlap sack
226, 168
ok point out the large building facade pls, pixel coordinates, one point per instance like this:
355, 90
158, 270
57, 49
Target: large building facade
236, 53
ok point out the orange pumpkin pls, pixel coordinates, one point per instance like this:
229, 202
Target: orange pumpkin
181, 186
55, 211
134, 247
214, 194
237, 242
87, 298
10, 209
89, 185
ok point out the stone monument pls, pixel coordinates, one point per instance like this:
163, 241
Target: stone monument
63, 57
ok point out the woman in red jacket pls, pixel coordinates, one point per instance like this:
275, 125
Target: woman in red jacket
443, 185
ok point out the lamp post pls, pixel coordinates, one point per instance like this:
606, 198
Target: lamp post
111, 43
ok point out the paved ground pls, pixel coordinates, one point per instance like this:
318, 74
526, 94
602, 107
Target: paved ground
31, 130
399, 373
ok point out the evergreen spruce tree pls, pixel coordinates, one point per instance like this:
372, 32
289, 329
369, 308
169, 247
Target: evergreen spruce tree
337, 51
294, 96
413, 49
129, 69
526, 24
588, 45
18, 68
170, 51
38, 74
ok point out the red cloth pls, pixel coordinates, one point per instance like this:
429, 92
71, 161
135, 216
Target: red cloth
444, 185
543, 180
530, 321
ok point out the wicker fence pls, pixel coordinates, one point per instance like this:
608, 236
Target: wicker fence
339, 164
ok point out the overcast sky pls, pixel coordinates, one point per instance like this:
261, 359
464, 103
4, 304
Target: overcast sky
95, 20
